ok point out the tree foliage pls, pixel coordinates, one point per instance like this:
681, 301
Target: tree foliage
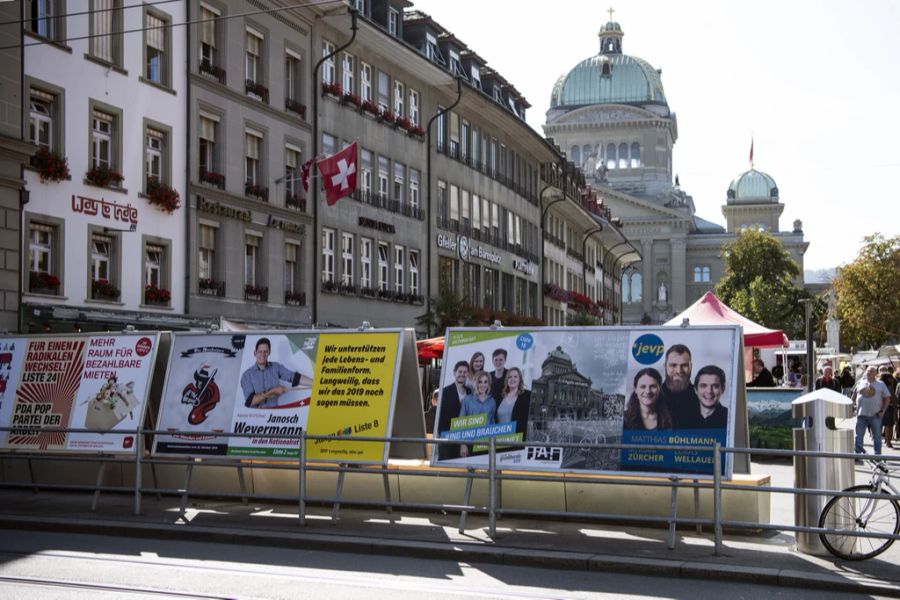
447, 310
868, 293
759, 282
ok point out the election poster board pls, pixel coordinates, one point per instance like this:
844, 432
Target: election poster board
263, 384
647, 386
91, 381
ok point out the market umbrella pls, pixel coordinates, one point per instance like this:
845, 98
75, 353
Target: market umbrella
430, 348
709, 310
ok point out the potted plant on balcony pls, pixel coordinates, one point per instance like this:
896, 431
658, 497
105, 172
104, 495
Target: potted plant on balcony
156, 295
388, 117
254, 88
370, 107
333, 89
351, 98
404, 123
103, 176
294, 298
208, 286
295, 107
50, 165
162, 196
417, 131
213, 178
257, 191
253, 292
102, 289
41, 282
295, 201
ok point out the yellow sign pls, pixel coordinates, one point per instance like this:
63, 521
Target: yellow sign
351, 395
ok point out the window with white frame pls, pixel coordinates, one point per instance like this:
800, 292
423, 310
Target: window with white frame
43, 18
399, 267
253, 143
101, 257
464, 209
42, 111
394, 22
365, 172
384, 166
383, 272
476, 212
251, 260
475, 76
365, 82
454, 134
206, 252
441, 130
365, 263
347, 258
209, 42
454, 205
414, 107
156, 44
399, 183
414, 272
292, 175
207, 144
455, 68
399, 98
464, 141
291, 268
384, 91
329, 144
327, 255
431, 49
252, 56
328, 67
102, 139
701, 273
42, 238
348, 73
106, 31
153, 155
153, 265
413, 189
291, 78
476, 156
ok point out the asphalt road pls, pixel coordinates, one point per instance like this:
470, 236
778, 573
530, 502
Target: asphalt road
50, 566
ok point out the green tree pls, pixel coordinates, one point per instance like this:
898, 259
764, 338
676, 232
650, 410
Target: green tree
447, 310
868, 293
758, 282
580, 318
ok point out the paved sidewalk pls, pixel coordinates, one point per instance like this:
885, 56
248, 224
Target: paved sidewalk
767, 558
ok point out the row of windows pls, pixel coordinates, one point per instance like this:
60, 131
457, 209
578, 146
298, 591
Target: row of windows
613, 156
369, 263
210, 148
45, 253
45, 128
361, 79
484, 287
464, 212
46, 19
210, 263
462, 140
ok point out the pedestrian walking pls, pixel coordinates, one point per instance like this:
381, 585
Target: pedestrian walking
871, 397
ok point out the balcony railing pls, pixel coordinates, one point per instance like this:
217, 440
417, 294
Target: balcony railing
214, 71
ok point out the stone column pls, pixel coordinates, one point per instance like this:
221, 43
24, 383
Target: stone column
678, 291
648, 292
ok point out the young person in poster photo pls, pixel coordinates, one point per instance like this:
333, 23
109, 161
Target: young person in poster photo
451, 402
498, 375
263, 382
476, 364
677, 392
479, 402
709, 384
644, 410
515, 401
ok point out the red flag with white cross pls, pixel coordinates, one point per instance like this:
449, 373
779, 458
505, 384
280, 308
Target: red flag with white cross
338, 173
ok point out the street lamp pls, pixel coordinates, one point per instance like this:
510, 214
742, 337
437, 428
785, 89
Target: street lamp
810, 359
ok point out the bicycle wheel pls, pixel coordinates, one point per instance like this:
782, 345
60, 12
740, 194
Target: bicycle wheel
850, 515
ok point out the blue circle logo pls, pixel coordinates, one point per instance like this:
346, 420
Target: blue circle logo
647, 349
524, 341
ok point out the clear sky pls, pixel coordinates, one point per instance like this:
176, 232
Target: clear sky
816, 82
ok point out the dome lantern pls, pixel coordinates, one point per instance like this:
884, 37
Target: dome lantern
611, 36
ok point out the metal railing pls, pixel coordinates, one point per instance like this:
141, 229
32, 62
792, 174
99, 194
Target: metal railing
491, 473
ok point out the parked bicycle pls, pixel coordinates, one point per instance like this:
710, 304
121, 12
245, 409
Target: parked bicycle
879, 514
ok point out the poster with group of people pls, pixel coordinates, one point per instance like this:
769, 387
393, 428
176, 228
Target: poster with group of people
645, 386
96, 382
270, 387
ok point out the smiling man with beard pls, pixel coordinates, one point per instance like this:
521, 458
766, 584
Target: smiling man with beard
677, 391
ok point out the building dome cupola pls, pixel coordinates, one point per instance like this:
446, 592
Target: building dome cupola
752, 186
611, 36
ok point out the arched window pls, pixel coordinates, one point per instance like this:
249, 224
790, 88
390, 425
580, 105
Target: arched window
626, 288
705, 273
698, 274
575, 155
637, 284
587, 150
635, 155
611, 156
623, 156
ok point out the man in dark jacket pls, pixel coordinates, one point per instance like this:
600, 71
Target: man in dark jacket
827, 380
762, 377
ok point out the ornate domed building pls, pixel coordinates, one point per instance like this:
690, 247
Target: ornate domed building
610, 115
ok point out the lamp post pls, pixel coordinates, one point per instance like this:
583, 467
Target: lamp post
810, 358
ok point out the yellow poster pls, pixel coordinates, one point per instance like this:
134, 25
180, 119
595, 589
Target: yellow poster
351, 396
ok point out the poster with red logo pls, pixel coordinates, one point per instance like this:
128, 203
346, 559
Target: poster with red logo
94, 382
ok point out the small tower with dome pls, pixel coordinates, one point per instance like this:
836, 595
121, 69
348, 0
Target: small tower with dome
752, 201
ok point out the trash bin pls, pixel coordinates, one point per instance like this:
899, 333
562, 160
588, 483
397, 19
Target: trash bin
817, 432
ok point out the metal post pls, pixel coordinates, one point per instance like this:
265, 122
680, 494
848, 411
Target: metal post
810, 354
339, 490
492, 488
100, 473
699, 527
302, 475
243, 484
717, 497
674, 507
138, 476
466, 499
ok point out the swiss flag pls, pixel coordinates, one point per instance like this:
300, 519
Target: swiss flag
304, 174
338, 173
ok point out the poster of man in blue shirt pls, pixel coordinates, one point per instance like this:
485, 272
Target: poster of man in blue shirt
264, 381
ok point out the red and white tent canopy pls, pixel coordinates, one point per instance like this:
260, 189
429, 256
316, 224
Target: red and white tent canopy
709, 310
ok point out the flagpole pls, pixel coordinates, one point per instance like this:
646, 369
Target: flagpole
317, 242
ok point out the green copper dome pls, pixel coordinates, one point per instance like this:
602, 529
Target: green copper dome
610, 77
753, 186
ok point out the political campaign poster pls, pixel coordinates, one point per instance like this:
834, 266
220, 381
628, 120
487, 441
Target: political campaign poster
97, 382
272, 386
643, 386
